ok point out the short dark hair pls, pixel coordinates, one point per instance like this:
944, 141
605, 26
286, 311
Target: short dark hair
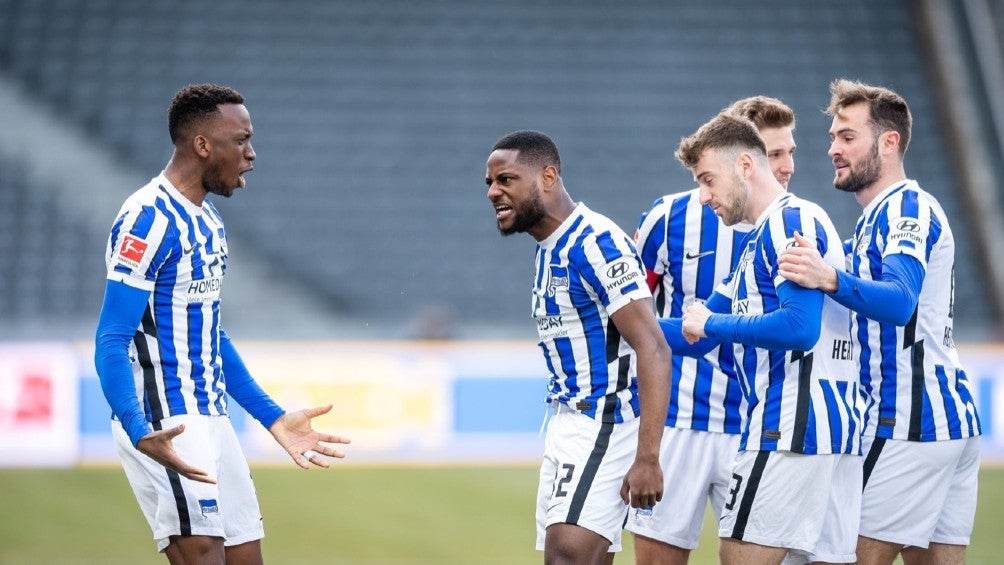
534, 148
724, 131
888, 110
194, 103
765, 112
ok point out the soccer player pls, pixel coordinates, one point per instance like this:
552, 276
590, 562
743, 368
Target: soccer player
687, 250
606, 355
163, 359
921, 428
796, 480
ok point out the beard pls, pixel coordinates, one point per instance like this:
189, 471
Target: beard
212, 180
735, 210
526, 215
860, 179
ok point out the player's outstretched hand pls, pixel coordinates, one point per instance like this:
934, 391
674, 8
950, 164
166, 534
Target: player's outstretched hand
295, 434
642, 486
157, 446
804, 266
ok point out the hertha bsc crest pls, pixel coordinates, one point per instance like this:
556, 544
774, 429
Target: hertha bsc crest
557, 277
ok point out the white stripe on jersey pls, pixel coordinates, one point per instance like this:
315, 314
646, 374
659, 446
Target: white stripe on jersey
687, 251
805, 402
164, 243
917, 387
585, 271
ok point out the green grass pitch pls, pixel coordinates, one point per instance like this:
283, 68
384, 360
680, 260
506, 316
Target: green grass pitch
347, 514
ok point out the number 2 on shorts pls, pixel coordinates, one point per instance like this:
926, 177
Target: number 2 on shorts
559, 489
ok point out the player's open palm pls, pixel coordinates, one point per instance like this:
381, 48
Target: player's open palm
295, 434
157, 445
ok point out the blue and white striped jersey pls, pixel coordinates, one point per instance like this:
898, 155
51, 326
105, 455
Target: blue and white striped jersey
687, 251
916, 387
585, 271
799, 401
164, 243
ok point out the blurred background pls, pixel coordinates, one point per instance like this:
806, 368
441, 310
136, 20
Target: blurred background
366, 215
365, 267
364, 242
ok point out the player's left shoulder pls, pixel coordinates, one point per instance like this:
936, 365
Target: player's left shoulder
602, 247
911, 193
913, 203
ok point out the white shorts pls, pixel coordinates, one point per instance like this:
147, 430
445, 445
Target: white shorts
585, 462
809, 504
920, 492
174, 505
697, 468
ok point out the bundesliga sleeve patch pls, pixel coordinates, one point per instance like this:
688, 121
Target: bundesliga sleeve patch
131, 251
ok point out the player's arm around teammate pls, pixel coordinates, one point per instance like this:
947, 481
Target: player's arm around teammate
687, 251
796, 478
922, 457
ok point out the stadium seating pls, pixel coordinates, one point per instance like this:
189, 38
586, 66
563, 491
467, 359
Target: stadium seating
373, 121
52, 268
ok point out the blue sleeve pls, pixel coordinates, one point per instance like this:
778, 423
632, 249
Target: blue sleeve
672, 330
243, 388
795, 326
892, 298
121, 313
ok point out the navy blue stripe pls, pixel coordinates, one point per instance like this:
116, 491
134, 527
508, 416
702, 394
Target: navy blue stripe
218, 383
752, 484
676, 373
915, 433
853, 416
613, 343
676, 238
872, 458
704, 375
733, 388
705, 283
951, 412
144, 222
154, 409
180, 501
803, 404
163, 313
833, 416
563, 241
194, 338
600, 447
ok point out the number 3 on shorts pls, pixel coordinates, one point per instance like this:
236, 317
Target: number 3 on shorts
734, 491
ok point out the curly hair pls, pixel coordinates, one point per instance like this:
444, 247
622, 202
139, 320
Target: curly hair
194, 104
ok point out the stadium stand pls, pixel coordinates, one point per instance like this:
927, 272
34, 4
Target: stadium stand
44, 274
373, 121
